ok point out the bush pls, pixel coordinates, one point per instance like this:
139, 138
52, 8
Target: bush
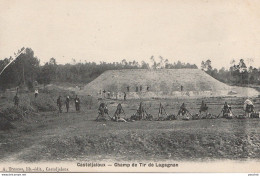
5, 124
44, 102
27, 105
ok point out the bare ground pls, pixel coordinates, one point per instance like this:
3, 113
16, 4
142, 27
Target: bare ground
71, 136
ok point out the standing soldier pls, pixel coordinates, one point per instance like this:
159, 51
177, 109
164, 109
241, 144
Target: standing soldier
59, 104
67, 102
104, 93
77, 103
16, 100
248, 107
36, 92
101, 109
181, 88
90, 102
124, 96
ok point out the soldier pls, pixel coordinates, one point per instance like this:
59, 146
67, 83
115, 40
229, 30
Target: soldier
90, 102
203, 107
77, 103
162, 112
248, 107
36, 92
226, 110
140, 111
59, 104
67, 102
119, 110
16, 100
124, 96
104, 93
182, 110
102, 110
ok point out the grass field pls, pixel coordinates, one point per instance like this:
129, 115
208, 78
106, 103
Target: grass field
50, 136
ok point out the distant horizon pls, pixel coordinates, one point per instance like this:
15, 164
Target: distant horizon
139, 61
248, 63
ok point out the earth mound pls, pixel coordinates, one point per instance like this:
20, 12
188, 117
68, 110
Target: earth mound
161, 83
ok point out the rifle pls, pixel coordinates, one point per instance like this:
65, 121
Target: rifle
219, 113
233, 113
189, 113
164, 111
123, 112
160, 110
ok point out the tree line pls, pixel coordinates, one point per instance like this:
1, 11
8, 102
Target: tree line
26, 69
238, 73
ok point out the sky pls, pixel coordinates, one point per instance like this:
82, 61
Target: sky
113, 30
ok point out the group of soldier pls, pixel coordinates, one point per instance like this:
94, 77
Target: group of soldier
67, 103
59, 101
141, 113
226, 110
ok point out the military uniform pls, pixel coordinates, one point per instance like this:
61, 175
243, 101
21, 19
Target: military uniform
119, 110
77, 103
59, 104
67, 102
203, 107
16, 100
182, 110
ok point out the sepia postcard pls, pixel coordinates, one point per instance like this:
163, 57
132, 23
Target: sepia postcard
129, 86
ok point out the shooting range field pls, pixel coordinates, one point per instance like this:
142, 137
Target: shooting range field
76, 136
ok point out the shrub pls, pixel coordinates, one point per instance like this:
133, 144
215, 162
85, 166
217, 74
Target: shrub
5, 124
44, 102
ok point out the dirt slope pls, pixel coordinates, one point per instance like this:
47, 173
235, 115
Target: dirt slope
164, 83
